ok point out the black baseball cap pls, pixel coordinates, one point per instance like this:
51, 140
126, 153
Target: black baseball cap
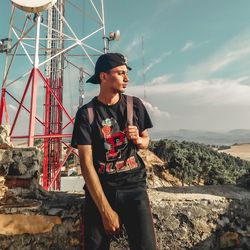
106, 62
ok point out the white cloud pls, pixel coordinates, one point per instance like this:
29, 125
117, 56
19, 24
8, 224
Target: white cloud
217, 104
163, 79
192, 45
229, 57
132, 49
155, 110
134, 43
12, 107
231, 52
189, 45
216, 92
154, 62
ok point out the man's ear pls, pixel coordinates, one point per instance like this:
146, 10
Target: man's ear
102, 76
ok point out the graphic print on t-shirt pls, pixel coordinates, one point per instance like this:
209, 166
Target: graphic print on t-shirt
115, 140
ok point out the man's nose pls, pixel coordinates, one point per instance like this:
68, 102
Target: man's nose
126, 78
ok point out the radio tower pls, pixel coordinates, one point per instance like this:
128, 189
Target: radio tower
41, 37
53, 112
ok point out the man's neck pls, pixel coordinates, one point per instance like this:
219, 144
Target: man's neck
108, 99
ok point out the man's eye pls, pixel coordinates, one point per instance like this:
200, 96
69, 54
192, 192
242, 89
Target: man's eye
122, 73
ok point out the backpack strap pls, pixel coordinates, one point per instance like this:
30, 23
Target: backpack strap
90, 110
130, 110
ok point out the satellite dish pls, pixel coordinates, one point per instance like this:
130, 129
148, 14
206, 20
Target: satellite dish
114, 35
33, 6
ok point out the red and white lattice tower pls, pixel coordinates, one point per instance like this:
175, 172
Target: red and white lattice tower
32, 99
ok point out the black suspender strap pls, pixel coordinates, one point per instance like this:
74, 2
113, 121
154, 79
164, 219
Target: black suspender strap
130, 110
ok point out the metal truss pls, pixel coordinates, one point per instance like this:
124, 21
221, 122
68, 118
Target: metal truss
42, 43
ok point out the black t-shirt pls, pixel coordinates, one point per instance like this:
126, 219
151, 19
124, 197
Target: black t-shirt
114, 156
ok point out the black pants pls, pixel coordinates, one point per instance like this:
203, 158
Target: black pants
133, 208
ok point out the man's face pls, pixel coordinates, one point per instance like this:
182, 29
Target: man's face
116, 79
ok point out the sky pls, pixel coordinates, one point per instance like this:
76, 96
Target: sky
190, 59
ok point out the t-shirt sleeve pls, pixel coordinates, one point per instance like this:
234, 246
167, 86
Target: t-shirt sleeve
141, 115
82, 130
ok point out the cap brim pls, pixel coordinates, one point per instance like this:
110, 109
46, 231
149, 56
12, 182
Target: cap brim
94, 79
128, 67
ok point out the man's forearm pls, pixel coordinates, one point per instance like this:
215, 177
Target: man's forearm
94, 187
110, 218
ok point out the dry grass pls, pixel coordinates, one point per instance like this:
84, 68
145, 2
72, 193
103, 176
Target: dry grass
241, 150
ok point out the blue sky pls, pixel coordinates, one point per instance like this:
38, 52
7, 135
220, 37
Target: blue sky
196, 59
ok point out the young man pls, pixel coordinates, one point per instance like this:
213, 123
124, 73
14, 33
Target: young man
114, 174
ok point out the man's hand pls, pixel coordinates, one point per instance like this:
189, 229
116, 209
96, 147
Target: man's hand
111, 222
133, 134
141, 140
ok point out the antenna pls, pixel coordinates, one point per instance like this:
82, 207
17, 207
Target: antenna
113, 36
33, 6
44, 46
143, 68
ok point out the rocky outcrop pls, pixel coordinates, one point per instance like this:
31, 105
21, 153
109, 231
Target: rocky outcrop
3, 188
43, 220
19, 172
20, 163
208, 217
30, 217
158, 176
214, 217
199, 218
4, 137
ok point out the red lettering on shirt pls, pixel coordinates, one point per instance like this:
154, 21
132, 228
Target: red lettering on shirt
101, 168
119, 165
109, 168
131, 162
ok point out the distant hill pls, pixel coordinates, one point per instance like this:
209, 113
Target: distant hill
206, 137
